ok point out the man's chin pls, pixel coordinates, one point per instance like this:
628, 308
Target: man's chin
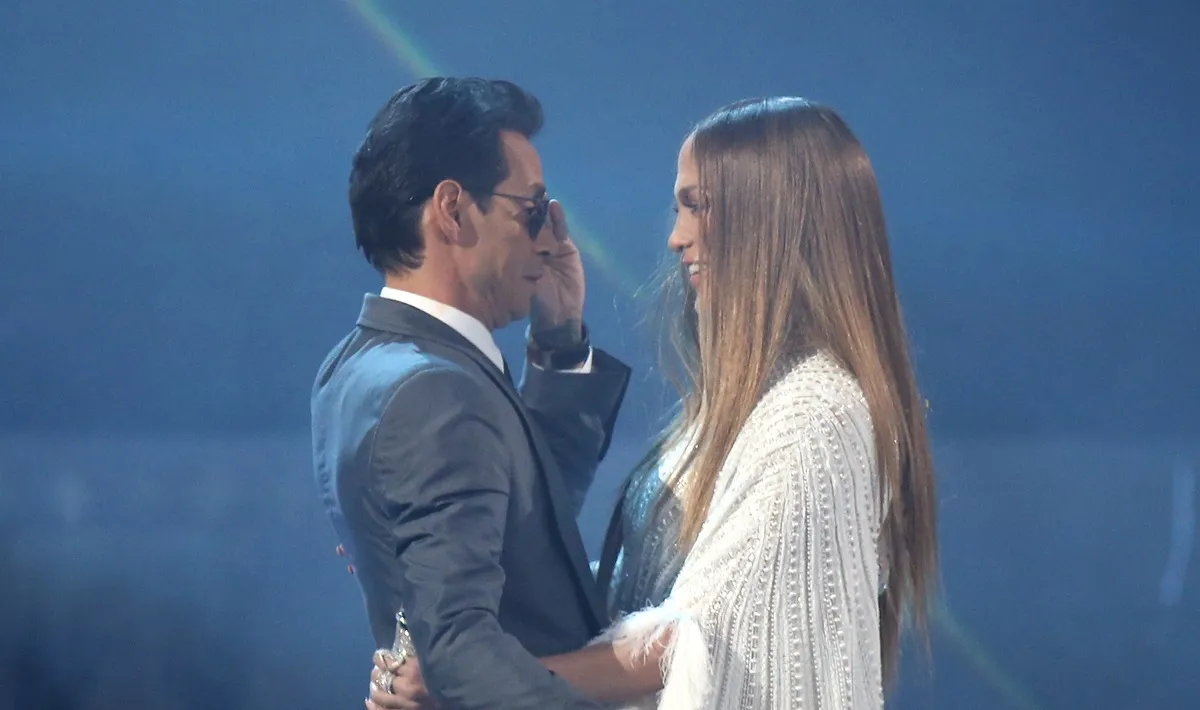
512, 316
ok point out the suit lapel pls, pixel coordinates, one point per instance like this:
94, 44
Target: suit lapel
568, 529
402, 319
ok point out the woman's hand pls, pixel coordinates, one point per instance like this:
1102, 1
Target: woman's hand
397, 685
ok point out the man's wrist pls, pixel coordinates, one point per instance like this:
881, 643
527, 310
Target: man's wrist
562, 336
561, 350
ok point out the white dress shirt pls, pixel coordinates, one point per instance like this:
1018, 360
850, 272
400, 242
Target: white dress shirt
466, 325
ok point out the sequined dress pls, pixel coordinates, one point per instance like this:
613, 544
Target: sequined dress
775, 606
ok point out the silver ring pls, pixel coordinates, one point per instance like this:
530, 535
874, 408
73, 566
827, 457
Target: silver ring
384, 682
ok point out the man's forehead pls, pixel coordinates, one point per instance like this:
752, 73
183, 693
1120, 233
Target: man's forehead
524, 163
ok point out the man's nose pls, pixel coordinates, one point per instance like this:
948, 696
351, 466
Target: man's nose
544, 243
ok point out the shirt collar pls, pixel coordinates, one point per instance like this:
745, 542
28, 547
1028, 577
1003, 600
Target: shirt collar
466, 325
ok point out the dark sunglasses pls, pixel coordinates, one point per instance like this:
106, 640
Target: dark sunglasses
537, 212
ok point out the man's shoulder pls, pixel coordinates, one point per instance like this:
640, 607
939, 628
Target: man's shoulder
392, 363
430, 381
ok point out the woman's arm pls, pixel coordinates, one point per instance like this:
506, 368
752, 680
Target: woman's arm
600, 671
609, 674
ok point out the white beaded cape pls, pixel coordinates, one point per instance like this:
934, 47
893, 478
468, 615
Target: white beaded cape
776, 603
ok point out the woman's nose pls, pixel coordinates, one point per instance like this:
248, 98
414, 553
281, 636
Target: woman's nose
678, 240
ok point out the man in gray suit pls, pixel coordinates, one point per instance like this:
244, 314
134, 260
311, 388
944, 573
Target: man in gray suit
454, 494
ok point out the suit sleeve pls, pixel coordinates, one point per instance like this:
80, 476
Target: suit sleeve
441, 475
576, 413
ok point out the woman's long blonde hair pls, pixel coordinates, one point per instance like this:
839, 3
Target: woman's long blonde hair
796, 260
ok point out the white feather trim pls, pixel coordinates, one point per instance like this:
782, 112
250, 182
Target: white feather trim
684, 664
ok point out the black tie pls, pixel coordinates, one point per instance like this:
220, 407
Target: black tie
507, 372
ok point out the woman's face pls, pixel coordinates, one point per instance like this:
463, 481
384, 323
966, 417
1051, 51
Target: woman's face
689, 210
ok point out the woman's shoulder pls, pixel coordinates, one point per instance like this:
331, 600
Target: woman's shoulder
810, 395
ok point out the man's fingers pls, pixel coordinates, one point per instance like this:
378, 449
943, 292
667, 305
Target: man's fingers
410, 685
380, 659
385, 659
410, 674
407, 686
558, 220
385, 701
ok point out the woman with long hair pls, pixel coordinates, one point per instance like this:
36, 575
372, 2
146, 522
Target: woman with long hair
783, 525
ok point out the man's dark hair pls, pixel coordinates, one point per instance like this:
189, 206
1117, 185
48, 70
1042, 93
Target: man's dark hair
436, 129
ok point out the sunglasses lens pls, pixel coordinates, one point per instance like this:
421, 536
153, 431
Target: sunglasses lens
537, 220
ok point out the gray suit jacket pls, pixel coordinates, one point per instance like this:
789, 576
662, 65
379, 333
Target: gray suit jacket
455, 497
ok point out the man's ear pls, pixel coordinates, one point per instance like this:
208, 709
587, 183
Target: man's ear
448, 200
